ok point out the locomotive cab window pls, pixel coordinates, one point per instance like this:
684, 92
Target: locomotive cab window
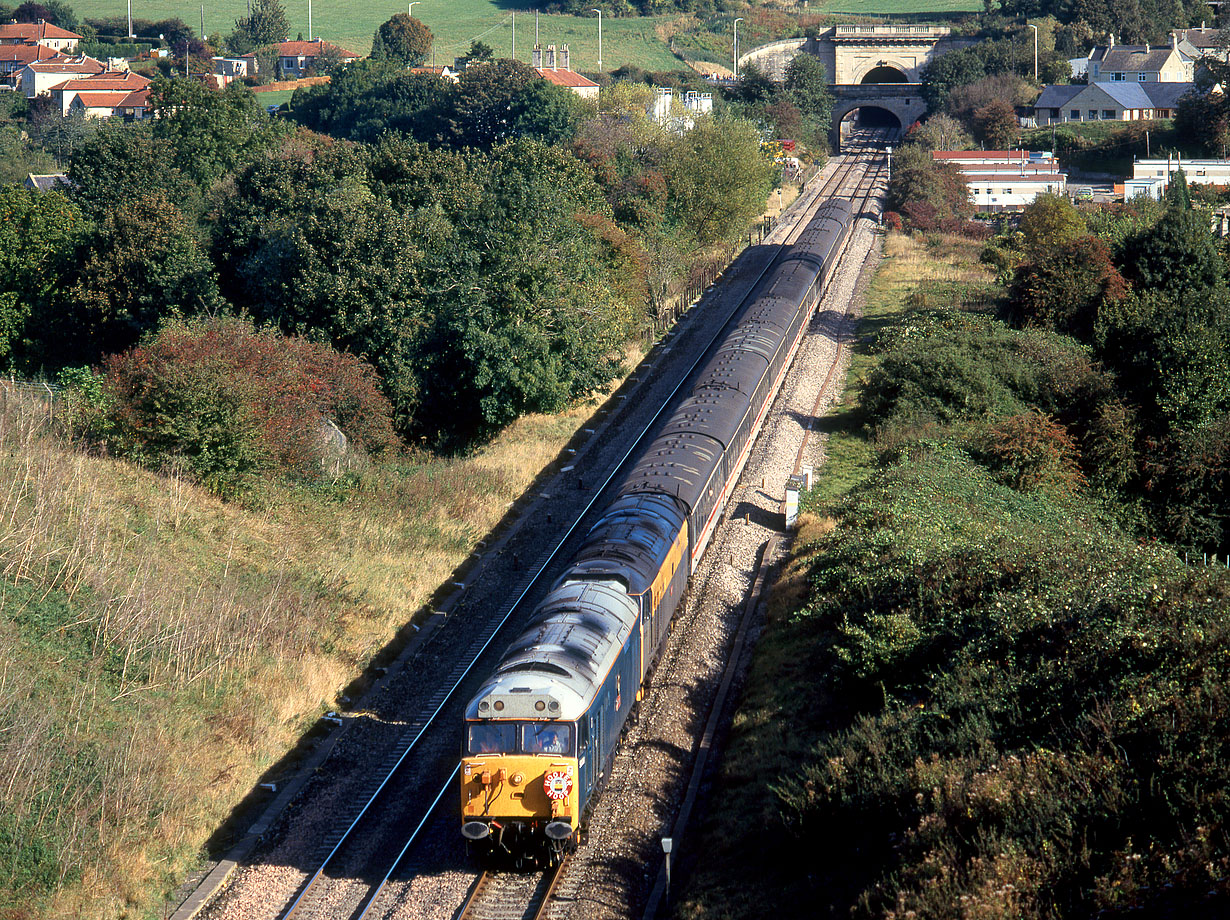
546, 738
491, 738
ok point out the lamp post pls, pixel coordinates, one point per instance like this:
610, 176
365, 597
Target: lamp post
309, 20
410, 11
599, 12
1035, 28
130, 35
736, 50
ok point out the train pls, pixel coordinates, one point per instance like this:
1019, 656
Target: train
541, 732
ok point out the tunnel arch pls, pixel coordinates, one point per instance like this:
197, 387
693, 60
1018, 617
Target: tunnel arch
885, 73
872, 116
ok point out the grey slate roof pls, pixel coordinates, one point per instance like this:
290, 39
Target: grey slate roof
1129, 58
1125, 95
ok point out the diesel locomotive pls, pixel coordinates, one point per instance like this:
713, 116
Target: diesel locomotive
541, 733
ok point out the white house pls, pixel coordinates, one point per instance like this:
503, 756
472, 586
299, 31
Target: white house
39, 77
39, 33
1152, 176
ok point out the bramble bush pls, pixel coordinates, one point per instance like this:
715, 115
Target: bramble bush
230, 401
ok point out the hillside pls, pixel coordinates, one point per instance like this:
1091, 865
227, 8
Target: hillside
162, 648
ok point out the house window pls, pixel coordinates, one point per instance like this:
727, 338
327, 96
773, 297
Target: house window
1055, 113
1108, 114
1142, 77
1076, 114
1007, 191
1093, 114
1118, 76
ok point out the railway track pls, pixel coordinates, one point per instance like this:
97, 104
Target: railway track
512, 895
365, 842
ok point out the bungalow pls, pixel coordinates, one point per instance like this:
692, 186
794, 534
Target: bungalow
45, 182
1140, 64
1109, 102
39, 77
296, 58
556, 70
39, 33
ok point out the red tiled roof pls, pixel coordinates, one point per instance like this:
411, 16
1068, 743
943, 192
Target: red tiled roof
310, 49
564, 77
87, 66
28, 54
111, 80
97, 100
139, 99
33, 32
980, 154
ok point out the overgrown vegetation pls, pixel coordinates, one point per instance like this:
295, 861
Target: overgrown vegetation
981, 692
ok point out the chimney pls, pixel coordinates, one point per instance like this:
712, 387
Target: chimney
564, 65
537, 57
1112, 42
550, 57
1175, 41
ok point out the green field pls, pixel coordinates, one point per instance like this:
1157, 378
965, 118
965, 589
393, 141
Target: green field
913, 8
454, 23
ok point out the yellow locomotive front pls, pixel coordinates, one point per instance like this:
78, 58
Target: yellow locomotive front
520, 795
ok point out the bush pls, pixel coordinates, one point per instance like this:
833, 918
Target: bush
231, 402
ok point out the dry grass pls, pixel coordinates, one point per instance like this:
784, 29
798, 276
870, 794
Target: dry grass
159, 648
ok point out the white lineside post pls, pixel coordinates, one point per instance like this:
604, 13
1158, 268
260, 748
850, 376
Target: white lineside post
806, 472
794, 485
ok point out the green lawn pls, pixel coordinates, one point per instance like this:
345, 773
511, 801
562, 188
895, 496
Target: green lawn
455, 23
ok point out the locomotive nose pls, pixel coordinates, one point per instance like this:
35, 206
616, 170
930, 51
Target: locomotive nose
558, 830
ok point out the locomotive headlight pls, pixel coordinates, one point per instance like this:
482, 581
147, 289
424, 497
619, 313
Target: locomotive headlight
540, 706
499, 705
554, 706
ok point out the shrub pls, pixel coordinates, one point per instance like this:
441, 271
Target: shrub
232, 402
1031, 451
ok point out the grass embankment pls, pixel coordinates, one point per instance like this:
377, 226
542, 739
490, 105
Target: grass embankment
160, 648
976, 695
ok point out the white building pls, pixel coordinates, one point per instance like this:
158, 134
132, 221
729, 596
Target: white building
1152, 177
1006, 180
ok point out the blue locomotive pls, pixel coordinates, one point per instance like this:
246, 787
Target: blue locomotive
541, 733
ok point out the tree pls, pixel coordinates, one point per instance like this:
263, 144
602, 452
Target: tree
496, 102
38, 233
1177, 254
402, 38
1048, 223
112, 167
996, 124
370, 98
266, 24
808, 88
211, 134
928, 192
142, 264
941, 132
53, 11
1065, 287
717, 179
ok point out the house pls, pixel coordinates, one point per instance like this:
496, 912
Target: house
38, 78
1109, 102
45, 183
14, 58
39, 33
555, 69
444, 72
1003, 180
1198, 43
1114, 63
296, 58
103, 95
231, 69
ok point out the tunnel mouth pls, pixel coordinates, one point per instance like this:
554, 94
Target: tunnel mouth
885, 74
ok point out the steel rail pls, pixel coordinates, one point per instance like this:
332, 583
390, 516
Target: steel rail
839, 177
